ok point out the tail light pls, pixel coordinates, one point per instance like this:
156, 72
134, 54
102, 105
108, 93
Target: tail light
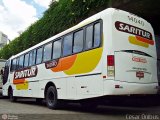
110, 65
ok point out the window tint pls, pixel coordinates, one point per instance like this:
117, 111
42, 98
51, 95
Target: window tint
57, 49
67, 45
32, 57
14, 64
39, 56
78, 41
20, 66
47, 52
26, 60
97, 35
89, 37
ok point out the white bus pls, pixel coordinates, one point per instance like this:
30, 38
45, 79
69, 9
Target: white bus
2, 64
110, 53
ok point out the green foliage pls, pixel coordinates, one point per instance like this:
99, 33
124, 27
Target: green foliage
59, 17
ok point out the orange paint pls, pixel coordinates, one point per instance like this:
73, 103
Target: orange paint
18, 81
145, 40
64, 63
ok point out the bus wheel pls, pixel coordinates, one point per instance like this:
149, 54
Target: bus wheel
11, 97
51, 97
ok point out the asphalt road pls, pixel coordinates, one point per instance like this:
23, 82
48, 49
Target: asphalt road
28, 109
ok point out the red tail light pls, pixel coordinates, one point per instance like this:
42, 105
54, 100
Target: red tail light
110, 66
110, 60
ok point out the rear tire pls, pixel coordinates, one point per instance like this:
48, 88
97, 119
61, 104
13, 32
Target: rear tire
11, 97
51, 98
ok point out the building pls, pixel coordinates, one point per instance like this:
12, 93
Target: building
3, 39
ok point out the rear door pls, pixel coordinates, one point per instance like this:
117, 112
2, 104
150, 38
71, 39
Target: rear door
135, 66
134, 49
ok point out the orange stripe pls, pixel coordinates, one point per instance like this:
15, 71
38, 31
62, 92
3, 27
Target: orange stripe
64, 63
151, 42
18, 81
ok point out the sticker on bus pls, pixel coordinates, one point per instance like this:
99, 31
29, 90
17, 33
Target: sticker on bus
142, 37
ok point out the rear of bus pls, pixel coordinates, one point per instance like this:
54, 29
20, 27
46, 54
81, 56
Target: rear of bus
132, 63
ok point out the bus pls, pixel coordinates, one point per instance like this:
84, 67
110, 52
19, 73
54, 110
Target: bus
2, 64
111, 53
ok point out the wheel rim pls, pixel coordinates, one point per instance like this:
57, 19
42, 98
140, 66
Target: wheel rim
51, 98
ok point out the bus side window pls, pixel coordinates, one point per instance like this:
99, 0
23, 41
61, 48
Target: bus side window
21, 62
47, 52
89, 37
17, 63
67, 45
78, 41
57, 49
97, 35
26, 58
32, 57
39, 55
13, 64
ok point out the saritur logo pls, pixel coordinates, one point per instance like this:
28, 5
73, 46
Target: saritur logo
26, 73
124, 27
142, 37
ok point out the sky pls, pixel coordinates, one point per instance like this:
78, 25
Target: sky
17, 15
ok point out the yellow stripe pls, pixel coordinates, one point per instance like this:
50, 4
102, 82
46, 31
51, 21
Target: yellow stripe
85, 62
134, 41
22, 86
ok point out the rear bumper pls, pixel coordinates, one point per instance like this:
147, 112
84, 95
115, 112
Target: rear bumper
126, 88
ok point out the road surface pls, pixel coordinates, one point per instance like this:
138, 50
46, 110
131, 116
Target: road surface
28, 109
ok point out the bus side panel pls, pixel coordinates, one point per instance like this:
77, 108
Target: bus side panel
89, 86
5, 89
60, 84
128, 88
